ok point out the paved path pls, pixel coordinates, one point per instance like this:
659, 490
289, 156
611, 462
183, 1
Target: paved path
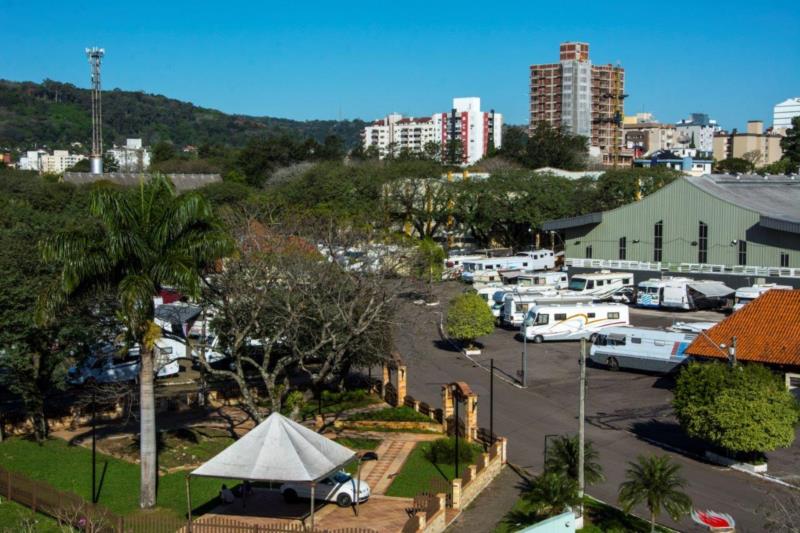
491, 506
392, 454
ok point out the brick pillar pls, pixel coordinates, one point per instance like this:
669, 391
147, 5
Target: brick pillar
401, 384
471, 418
503, 443
456, 493
447, 407
384, 380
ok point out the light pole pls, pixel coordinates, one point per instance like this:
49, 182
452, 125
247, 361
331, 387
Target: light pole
581, 430
524, 376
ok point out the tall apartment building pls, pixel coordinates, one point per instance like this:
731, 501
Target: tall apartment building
583, 98
699, 130
784, 112
764, 148
473, 130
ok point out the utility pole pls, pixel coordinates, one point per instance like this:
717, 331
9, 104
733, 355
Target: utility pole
524, 364
491, 401
94, 447
455, 426
581, 430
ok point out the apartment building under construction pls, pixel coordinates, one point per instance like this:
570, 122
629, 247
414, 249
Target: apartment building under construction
583, 98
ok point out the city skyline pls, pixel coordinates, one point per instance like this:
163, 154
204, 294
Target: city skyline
326, 62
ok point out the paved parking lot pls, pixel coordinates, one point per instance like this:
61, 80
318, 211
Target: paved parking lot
628, 413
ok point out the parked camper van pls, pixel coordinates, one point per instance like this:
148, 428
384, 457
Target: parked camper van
599, 285
535, 260
745, 295
563, 322
556, 280
683, 293
648, 349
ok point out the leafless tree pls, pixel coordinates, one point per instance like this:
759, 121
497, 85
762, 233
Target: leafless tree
783, 514
295, 304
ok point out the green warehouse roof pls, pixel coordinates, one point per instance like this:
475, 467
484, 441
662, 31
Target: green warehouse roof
776, 199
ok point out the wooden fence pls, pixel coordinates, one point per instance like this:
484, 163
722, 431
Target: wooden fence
72, 510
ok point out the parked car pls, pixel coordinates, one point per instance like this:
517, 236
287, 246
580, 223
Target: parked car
339, 488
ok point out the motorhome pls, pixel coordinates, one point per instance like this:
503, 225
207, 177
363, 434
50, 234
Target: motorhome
556, 280
647, 349
599, 285
745, 295
533, 260
563, 322
683, 293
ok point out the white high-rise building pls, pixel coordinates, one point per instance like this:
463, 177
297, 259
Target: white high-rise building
697, 131
473, 130
784, 112
132, 157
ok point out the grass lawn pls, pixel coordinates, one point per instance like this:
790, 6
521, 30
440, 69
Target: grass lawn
417, 472
358, 443
69, 468
599, 518
337, 402
15, 517
392, 414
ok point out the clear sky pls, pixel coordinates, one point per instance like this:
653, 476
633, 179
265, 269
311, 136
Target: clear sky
732, 59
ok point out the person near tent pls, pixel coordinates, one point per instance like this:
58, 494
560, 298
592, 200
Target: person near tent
226, 495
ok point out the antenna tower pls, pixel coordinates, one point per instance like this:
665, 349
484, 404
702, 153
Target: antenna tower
95, 55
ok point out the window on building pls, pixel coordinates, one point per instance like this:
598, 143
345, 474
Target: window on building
658, 240
702, 243
623, 252
589, 252
784, 260
742, 252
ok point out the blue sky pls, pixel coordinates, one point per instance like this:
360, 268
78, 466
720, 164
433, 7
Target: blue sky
303, 60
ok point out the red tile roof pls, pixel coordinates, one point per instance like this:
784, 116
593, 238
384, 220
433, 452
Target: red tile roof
767, 330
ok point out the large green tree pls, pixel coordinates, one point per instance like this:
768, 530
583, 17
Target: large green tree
147, 237
743, 410
656, 482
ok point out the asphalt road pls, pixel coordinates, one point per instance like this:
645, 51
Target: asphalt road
628, 414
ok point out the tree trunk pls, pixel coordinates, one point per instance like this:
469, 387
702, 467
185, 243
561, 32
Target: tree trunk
147, 436
652, 522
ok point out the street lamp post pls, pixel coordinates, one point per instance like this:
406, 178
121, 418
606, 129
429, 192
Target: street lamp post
524, 362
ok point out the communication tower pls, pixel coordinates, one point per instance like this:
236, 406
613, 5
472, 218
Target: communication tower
95, 55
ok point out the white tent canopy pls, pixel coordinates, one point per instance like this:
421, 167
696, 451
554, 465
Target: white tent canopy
278, 449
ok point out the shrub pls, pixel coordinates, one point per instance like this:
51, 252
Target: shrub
392, 414
468, 318
442, 451
743, 410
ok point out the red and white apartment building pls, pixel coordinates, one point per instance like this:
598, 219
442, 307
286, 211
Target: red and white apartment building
474, 130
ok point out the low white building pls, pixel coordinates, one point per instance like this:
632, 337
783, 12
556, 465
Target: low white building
55, 163
132, 157
474, 131
784, 112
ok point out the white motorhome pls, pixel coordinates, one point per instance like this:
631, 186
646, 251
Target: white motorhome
517, 303
599, 285
745, 295
556, 280
563, 322
534, 260
647, 349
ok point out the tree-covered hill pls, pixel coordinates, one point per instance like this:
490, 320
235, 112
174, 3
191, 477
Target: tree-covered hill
56, 114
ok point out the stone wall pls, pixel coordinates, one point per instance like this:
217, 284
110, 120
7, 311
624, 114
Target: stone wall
432, 519
478, 476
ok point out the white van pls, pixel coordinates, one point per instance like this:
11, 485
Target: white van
563, 322
650, 293
648, 349
535, 260
683, 293
599, 285
745, 295
556, 280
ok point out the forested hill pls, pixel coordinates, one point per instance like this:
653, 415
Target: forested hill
55, 114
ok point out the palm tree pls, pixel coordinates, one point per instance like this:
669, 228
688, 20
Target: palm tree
147, 238
550, 494
562, 459
655, 481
